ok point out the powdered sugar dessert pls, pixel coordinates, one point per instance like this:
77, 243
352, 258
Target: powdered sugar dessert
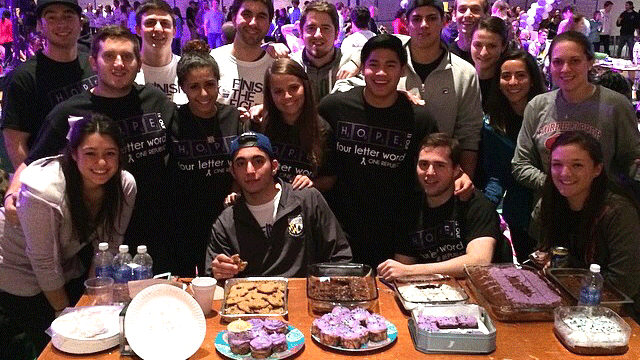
591, 330
429, 293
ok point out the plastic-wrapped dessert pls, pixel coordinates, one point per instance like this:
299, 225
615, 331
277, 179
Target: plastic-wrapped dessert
254, 297
591, 330
515, 293
418, 290
455, 328
349, 285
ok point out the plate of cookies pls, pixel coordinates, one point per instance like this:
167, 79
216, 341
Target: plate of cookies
353, 330
255, 297
259, 338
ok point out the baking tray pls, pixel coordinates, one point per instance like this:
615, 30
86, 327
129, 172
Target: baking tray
570, 281
428, 280
611, 338
326, 298
230, 282
489, 292
444, 342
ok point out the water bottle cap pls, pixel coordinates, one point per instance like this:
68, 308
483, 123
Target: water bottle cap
142, 249
594, 268
103, 246
124, 248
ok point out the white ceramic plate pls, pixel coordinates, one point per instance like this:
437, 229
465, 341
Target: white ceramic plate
164, 322
87, 330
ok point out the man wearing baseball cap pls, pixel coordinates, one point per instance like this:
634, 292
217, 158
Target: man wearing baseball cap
278, 231
49, 77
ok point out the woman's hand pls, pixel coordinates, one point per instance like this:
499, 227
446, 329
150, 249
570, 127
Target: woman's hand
301, 182
463, 187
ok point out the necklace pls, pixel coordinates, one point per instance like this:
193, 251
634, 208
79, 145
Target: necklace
210, 137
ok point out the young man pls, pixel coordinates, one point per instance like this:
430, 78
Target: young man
243, 63
360, 32
376, 132
568, 13
53, 75
607, 26
468, 14
276, 230
294, 13
213, 20
190, 15
319, 26
156, 25
628, 22
448, 85
446, 233
143, 113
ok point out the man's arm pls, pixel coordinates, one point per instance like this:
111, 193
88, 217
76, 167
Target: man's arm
479, 252
15, 141
468, 162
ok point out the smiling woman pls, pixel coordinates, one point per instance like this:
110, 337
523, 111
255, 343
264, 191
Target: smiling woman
80, 198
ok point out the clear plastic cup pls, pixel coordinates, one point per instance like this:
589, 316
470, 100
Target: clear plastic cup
99, 290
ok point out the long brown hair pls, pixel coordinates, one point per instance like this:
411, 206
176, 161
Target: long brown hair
308, 124
113, 198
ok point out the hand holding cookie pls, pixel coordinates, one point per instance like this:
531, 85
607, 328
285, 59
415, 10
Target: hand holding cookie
223, 267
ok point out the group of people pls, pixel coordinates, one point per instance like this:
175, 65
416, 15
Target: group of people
396, 154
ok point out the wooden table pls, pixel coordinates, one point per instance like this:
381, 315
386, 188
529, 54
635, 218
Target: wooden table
526, 340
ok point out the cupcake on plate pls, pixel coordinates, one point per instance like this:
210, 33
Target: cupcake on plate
279, 342
275, 326
239, 346
239, 330
261, 347
340, 310
377, 330
256, 323
360, 314
317, 325
349, 339
329, 336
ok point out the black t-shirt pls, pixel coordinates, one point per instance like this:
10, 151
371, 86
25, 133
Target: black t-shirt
373, 154
442, 233
40, 84
292, 158
486, 90
465, 55
144, 116
423, 70
199, 180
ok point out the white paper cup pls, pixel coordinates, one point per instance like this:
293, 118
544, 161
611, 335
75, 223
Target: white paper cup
203, 290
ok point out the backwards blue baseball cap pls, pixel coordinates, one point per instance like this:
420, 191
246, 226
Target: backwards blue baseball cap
251, 139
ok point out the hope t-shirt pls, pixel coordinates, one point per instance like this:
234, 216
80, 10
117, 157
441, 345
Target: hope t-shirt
40, 84
443, 233
241, 82
373, 153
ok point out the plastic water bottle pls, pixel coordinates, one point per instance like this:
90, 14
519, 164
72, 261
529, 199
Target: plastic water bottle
142, 264
121, 274
591, 288
103, 261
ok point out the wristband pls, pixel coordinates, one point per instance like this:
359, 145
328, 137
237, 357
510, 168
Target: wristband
5, 198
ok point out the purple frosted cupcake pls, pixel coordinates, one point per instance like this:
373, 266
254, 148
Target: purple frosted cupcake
256, 324
279, 342
254, 333
329, 336
360, 314
317, 326
363, 332
332, 319
349, 321
377, 330
275, 326
239, 346
349, 339
375, 318
261, 347
340, 310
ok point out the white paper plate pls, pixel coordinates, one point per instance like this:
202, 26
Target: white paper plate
164, 322
68, 329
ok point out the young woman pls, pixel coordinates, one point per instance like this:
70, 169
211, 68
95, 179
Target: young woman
6, 36
576, 105
177, 39
489, 41
198, 162
400, 22
67, 205
294, 127
588, 215
518, 81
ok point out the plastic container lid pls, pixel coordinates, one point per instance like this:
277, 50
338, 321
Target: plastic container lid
142, 249
124, 248
594, 268
103, 246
